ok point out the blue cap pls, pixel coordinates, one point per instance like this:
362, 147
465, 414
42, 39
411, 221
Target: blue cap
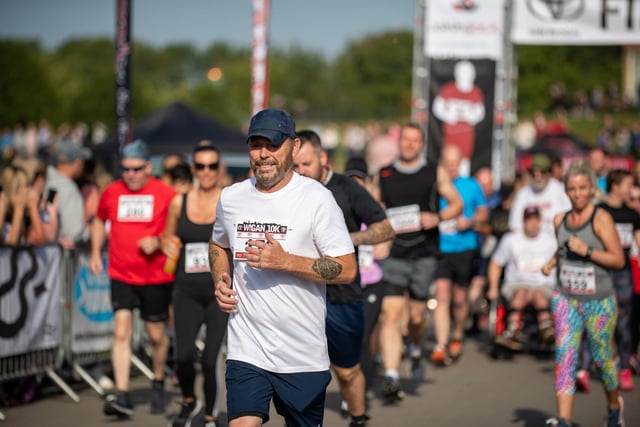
275, 125
136, 150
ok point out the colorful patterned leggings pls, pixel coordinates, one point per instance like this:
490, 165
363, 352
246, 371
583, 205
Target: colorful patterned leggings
598, 319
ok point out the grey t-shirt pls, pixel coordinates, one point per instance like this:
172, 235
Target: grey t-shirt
70, 204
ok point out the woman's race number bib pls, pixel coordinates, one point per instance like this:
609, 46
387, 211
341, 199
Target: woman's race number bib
405, 219
135, 208
578, 280
196, 258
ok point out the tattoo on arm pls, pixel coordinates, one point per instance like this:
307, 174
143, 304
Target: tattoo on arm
377, 232
328, 269
213, 256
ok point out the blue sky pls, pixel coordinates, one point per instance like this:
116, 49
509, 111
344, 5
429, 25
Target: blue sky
326, 26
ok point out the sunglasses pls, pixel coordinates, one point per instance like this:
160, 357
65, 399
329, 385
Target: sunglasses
210, 166
136, 169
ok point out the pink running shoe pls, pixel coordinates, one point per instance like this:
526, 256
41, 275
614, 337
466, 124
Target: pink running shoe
626, 380
582, 380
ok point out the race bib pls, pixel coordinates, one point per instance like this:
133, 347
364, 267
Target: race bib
365, 256
625, 232
578, 280
449, 226
135, 208
254, 230
405, 219
196, 258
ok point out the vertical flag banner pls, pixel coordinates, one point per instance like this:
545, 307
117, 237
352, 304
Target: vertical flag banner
464, 29
461, 100
259, 56
122, 71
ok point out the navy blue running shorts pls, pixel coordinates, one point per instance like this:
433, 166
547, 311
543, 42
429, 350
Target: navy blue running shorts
345, 332
298, 397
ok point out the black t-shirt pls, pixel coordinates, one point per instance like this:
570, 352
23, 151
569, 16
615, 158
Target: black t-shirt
358, 207
397, 189
627, 223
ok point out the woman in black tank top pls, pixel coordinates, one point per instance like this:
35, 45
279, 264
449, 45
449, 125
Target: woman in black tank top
189, 225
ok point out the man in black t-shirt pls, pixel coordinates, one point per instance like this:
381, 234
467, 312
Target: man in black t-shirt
345, 311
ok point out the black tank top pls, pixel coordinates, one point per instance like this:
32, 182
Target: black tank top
192, 272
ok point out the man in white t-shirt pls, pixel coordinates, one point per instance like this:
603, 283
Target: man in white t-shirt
282, 237
522, 254
545, 192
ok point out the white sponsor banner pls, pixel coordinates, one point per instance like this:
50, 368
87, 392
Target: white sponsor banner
29, 299
464, 29
91, 314
576, 22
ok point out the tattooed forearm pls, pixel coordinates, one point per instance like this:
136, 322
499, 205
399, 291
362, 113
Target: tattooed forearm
375, 233
213, 255
328, 269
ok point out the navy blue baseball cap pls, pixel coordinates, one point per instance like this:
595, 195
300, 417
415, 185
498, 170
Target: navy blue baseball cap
275, 125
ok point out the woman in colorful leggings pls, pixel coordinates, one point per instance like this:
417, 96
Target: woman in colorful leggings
584, 300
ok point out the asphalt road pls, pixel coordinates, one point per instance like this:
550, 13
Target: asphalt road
477, 391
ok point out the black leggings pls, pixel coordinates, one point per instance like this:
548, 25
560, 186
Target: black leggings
372, 297
635, 322
190, 313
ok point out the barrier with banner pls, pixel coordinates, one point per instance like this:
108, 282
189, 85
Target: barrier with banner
53, 310
91, 314
29, 299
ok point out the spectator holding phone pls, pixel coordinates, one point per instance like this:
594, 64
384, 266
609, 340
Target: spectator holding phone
69, 159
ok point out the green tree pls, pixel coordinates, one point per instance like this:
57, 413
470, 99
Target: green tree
372, 78
27, 90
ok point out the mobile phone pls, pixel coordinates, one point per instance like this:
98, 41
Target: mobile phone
51, 195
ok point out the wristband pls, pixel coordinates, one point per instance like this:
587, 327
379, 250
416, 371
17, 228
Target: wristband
589, 252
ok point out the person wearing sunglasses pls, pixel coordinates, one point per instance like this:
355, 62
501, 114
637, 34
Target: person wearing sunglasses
186, 236
136, 207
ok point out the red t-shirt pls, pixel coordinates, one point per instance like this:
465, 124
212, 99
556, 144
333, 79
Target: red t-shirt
134, 215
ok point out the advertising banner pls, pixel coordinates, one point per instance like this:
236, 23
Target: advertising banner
122, 71
576, 22
91, 315
29, 299
259, 56
461, 99
464, 29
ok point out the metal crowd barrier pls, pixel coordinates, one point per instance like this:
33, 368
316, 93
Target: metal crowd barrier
52, 311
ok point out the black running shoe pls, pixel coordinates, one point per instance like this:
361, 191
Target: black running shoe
188, 411
391, 390
158, 399
417, 368
118, 404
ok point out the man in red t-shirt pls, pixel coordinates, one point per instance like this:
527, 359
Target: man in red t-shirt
136, 209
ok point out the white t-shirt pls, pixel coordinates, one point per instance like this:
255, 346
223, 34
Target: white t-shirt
523, 257
279, 323
550, 201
